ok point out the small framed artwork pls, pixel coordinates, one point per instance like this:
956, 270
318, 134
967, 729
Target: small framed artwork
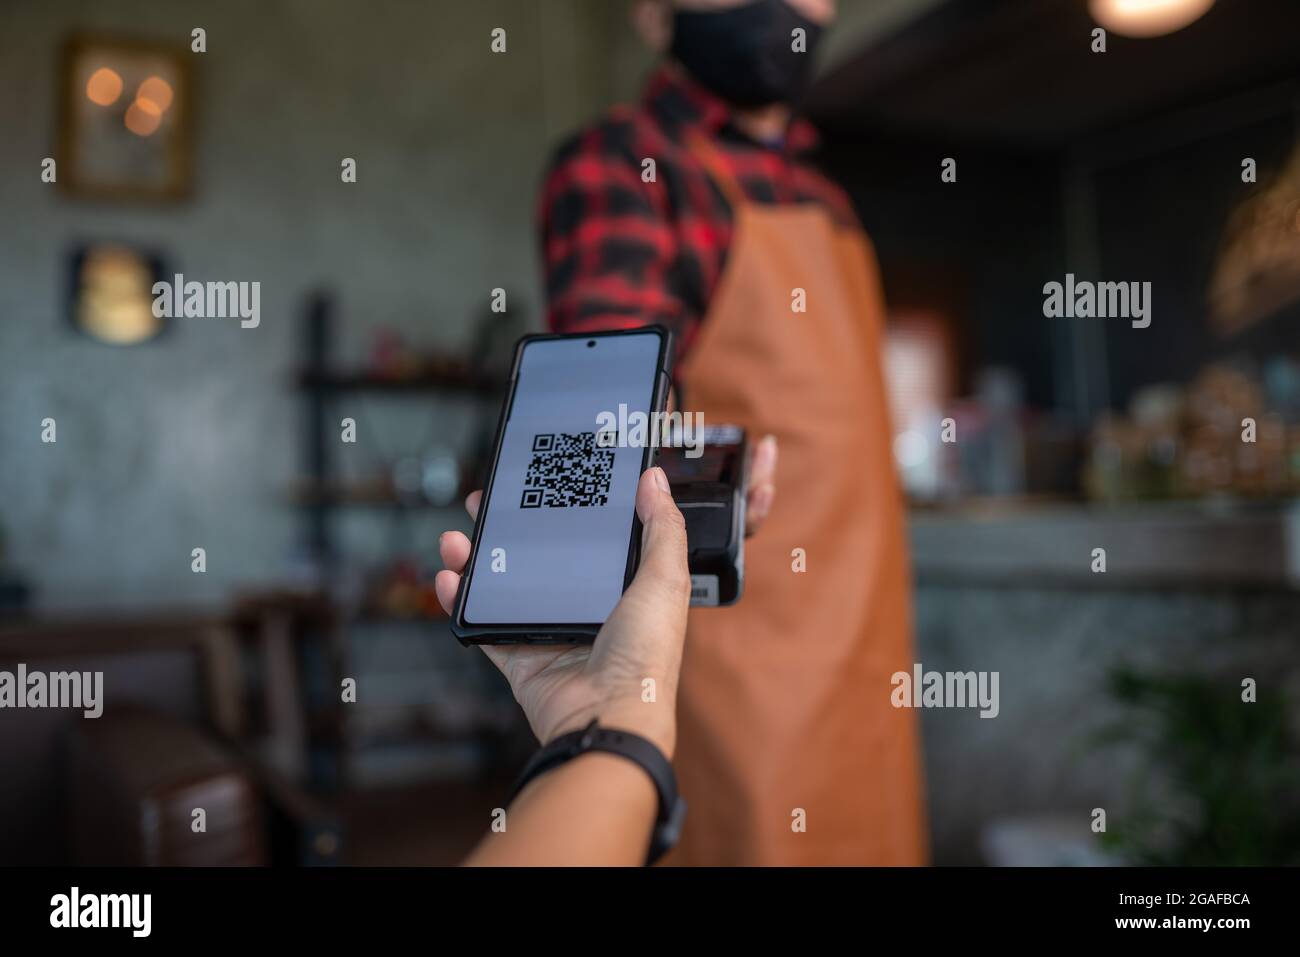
110, 292
127, 116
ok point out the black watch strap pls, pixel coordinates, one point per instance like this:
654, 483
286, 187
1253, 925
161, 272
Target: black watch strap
672, 807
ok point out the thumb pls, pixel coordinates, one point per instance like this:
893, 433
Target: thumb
663, 569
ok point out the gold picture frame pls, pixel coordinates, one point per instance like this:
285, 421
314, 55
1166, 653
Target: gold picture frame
125, 132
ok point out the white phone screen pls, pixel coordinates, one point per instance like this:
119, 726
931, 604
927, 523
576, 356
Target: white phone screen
555, 538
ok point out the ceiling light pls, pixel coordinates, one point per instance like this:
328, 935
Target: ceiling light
1147, 18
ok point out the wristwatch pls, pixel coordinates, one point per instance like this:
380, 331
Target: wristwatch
672, 807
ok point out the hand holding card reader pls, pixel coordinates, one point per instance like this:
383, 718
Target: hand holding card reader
710, 484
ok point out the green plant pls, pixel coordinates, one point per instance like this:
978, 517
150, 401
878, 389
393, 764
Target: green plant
1219, 781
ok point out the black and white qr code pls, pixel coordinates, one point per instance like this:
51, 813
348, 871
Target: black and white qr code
567, 471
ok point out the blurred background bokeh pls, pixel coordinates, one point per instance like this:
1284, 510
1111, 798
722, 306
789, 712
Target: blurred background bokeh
1119, 689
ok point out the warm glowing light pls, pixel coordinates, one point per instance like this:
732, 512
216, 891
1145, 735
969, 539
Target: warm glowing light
142, 117
115, 299
104, 86
1147, 18
156, 91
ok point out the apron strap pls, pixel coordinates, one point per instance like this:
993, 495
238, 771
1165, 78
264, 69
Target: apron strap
717, 169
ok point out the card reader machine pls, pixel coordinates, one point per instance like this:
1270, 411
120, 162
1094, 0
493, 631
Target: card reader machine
709, 472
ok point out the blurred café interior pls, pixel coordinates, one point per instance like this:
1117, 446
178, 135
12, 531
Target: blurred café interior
318, 556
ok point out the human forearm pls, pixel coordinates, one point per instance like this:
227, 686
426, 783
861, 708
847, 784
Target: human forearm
596, 810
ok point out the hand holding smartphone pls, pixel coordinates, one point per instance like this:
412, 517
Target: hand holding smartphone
562, 687
557, 536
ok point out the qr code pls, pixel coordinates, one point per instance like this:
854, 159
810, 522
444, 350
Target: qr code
567, 471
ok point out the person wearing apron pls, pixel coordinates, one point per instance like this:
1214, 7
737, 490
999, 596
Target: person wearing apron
789, 750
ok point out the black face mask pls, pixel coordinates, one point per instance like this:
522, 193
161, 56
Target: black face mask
744, 54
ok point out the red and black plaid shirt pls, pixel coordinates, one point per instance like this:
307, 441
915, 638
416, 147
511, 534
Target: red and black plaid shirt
619, 252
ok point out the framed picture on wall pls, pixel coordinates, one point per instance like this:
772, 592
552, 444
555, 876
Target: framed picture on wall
110, 293
126, 119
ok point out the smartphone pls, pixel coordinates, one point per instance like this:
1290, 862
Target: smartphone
557, 537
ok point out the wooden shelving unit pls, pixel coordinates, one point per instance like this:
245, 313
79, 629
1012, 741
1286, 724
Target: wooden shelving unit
323, 496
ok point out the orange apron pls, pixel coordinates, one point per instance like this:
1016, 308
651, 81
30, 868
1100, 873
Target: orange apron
789, 749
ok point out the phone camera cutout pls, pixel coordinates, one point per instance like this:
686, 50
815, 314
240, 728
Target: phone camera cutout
591, 343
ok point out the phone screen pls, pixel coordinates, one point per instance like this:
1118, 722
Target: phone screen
555, 536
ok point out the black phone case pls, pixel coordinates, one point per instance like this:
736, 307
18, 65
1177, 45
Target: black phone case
555, 634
